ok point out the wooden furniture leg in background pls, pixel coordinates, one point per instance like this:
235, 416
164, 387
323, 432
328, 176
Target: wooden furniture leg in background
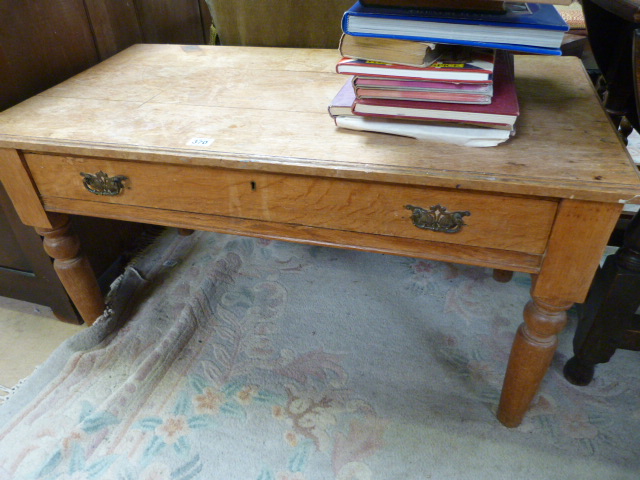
73, 268
608, 319
502, 276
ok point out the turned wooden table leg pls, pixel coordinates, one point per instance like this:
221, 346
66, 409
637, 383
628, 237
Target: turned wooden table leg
578, 239
531, 355
73, 268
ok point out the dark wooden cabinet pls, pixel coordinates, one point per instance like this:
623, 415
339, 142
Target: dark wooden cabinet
26, 272
42, 44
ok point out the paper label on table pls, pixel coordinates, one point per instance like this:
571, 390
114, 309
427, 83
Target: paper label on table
200, 142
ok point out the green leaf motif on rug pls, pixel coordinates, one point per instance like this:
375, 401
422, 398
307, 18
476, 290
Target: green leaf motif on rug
183, 405
189, 470
92, 421
202, 421
198, 383
154, 448
77, 465
96, 469
300, 456
266, 475
99, 421
150, 423
51, 465
233, 410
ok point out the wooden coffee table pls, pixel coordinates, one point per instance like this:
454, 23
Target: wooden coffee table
238, 140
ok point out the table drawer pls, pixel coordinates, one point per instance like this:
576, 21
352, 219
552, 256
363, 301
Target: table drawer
485, 220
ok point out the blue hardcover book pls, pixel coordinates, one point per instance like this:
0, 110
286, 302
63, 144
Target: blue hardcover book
532, 27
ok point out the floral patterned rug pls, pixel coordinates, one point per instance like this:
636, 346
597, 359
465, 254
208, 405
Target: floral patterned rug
239, 359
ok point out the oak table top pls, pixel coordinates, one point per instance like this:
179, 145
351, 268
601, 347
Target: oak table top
239, 140
266, 108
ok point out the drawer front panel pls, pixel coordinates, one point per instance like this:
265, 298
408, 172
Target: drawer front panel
495, 221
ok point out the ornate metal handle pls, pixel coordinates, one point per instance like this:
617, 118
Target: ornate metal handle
101, 184
437, 218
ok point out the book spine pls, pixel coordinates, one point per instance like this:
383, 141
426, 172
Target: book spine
467, 17
500, 125
450, 41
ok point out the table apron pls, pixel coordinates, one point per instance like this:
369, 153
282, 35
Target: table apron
515, 224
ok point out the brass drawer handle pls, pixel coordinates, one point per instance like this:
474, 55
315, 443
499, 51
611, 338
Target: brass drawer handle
101, 184
437, 218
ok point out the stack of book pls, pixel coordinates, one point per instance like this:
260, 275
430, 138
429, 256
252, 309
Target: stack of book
439, 66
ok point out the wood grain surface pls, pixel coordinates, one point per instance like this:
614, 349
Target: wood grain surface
575, 250
265, 109
19, 185
446, 252
495, 221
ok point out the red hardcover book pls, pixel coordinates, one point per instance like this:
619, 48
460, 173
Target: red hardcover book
502, 112
422, 85
455, 65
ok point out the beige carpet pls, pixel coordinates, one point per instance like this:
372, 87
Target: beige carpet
235, 358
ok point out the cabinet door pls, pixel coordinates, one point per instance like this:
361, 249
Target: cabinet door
11, 256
